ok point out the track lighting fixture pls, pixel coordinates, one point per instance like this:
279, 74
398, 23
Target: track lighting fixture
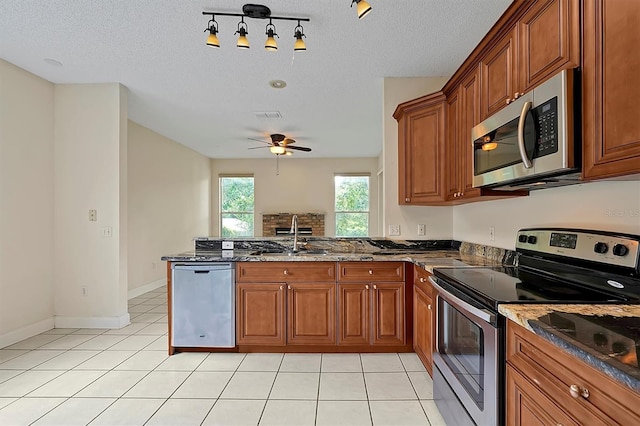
298, 33
362, 8
271, 44
212, 40
255, 11
243, 42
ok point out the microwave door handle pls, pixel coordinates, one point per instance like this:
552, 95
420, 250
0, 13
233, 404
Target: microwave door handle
523, 153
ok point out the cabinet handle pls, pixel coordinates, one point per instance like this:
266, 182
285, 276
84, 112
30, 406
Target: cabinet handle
286, 272
281, 287
508, 101
462, 194
375, 287
289, 287
370, 271
517, 95
407, 200
429, 307
576, 392
423, 280
366, 287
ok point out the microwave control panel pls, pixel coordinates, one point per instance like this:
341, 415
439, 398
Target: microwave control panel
546, 117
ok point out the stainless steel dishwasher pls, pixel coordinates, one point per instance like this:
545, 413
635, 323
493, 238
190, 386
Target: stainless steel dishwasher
203, 305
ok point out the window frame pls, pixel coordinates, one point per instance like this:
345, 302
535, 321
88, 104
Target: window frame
368, 211
221, 212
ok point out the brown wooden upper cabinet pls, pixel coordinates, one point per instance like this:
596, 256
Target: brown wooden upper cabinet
421, 138
544, 40
611, 88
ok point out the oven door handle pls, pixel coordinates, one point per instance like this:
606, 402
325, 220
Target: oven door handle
523, 152
483, 314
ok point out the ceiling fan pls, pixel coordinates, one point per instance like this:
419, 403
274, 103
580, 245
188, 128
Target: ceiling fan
280, 145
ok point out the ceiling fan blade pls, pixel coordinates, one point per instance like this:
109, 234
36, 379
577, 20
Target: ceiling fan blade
260, 140
299, 148
258, 147
288, 141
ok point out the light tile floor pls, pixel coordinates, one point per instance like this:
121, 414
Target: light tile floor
124, 377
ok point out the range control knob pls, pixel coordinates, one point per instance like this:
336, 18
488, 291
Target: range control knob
601, 248
620, 250
532, 239
522, 238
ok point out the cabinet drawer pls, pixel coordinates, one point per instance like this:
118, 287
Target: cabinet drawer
545, 365
371, 271
285, 271
421, 280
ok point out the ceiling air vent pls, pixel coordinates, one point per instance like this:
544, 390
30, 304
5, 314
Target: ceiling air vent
268, 114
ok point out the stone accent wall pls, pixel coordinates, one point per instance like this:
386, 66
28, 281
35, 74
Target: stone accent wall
271, 221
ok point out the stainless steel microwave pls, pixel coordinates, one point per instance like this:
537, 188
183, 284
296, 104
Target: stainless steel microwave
530, 144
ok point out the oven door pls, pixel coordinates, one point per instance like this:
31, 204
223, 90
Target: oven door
467, 355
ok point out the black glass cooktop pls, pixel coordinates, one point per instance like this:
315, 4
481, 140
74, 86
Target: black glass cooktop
493, 286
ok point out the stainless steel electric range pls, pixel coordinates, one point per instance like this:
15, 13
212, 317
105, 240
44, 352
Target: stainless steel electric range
551, 265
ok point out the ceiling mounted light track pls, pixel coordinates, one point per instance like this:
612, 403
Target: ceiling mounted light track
362, 8
255, 11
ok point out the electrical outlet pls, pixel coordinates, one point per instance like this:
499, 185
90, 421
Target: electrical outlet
93, 215
153, 265
107, 231
394, 230
422, 230
227, 245
85, 290
492, 233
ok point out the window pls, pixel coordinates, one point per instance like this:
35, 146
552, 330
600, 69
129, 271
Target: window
352, 206
236, 206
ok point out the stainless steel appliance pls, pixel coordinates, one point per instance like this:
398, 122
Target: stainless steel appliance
203, 305
553, 266
532, 142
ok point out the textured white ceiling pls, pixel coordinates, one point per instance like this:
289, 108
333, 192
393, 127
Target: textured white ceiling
205, 98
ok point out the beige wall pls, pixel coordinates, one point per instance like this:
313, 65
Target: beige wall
303, 186
90, 167
437, 219
610, 206
26, 204
169, 193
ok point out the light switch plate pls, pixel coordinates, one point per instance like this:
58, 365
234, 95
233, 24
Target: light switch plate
227, 245
394, 230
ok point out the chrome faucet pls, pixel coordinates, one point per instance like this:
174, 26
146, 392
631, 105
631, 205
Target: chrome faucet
294, 231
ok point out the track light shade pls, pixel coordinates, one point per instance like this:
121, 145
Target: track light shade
362, 8
212, 39
271, 44
243, 42
298, 34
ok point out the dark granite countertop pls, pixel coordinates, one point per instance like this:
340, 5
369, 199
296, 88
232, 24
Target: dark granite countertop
586, 332
427, 254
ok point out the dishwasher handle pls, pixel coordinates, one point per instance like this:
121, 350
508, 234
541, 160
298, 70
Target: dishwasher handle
203, 268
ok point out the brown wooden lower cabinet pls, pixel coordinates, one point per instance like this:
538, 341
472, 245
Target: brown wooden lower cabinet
422, 327
371, 313
540, 378
311, 317
260, 314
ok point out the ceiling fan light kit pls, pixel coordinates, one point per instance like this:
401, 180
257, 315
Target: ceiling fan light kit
259, 11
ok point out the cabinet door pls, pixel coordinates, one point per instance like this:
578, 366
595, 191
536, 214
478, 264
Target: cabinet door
469, 118
421, 138
311, 313
526, 406
260, 313
498, 75
549, 36
353, 314
388, 313
611, 88
422, 327
452, 151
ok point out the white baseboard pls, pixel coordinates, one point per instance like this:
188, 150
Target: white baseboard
22, 333
92, 322
138, 291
